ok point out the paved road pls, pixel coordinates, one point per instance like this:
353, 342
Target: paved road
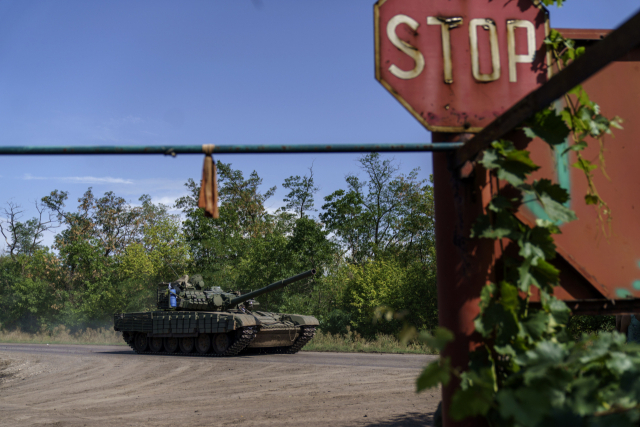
372, 360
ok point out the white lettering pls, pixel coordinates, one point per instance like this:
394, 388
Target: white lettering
404, 47
512, 24
487, 24
446, 24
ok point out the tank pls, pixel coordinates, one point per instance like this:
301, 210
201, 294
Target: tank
194, 320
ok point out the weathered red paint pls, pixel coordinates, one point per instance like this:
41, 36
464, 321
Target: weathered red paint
465, 105
464, 265
607, 256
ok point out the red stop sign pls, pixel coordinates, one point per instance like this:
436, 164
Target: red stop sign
457, 65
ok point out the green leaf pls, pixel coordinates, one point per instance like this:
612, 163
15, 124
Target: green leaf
481, 226
539, 243
476, 395
536, 324
584, 393
548, 126
585, 165
616, 122
591, 199
578, 146
490, 159
509, 296
548, 225
582, 96
439, 340
624, 419
435, 373
505, 350
508, 405
553, 191
512, 165
559, 311
505, 225
499, 203
486, 295
619, 362
545, 353
537, 272
557, 211
545, 273
527, 406
471, 402
516, 166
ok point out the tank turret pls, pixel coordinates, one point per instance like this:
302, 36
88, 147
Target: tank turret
186, 294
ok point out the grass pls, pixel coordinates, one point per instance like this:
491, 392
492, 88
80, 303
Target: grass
62, 335
351, 342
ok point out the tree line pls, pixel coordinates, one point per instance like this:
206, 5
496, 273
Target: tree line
372, 244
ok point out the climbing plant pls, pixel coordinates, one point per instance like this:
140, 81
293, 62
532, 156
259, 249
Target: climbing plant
526, 372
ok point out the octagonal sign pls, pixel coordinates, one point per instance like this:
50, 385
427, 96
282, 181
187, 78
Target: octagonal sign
456, 65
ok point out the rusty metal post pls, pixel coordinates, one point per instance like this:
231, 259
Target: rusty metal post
464, 265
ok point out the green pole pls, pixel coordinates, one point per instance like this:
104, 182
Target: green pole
173, 150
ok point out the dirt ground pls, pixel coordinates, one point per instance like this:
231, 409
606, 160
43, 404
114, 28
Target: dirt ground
100, 386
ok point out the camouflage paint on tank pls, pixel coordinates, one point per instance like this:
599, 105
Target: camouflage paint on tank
225, 320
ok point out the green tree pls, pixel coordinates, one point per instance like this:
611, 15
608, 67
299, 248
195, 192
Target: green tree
24, 237
371, 286
385, 225
28, 300
108, 222
111, 253
301, 191
286, 252
219, 245
388, 213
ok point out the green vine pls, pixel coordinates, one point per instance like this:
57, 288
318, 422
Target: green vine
526, 372
584, 120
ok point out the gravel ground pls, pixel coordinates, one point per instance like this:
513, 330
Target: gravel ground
60, 385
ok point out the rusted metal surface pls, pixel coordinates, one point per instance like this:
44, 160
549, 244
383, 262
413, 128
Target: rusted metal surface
456, 66
582, 35
464, 265
606, 255
599, 307
615, 45
590, 270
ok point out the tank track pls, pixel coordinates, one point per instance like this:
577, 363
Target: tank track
248, 335
307, 333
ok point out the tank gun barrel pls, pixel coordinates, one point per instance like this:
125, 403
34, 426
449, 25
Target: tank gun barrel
272, 287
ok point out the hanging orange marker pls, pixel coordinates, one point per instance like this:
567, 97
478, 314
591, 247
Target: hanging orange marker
209, 186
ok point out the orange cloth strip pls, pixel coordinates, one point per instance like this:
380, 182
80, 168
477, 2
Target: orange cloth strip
209, 186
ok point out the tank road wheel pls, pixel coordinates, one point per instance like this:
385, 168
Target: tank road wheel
140, 342
221, 343
186, 344
155, 344
170, 344
203, 343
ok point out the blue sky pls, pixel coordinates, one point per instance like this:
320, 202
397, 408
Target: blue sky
201, 72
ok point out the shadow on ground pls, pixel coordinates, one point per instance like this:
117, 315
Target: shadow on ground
406, 420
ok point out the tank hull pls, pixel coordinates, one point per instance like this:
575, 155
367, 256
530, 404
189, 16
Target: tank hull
214, 333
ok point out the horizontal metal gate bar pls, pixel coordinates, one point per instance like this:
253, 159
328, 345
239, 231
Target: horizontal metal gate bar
226, 149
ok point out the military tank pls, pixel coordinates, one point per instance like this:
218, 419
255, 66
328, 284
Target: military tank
194, 320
